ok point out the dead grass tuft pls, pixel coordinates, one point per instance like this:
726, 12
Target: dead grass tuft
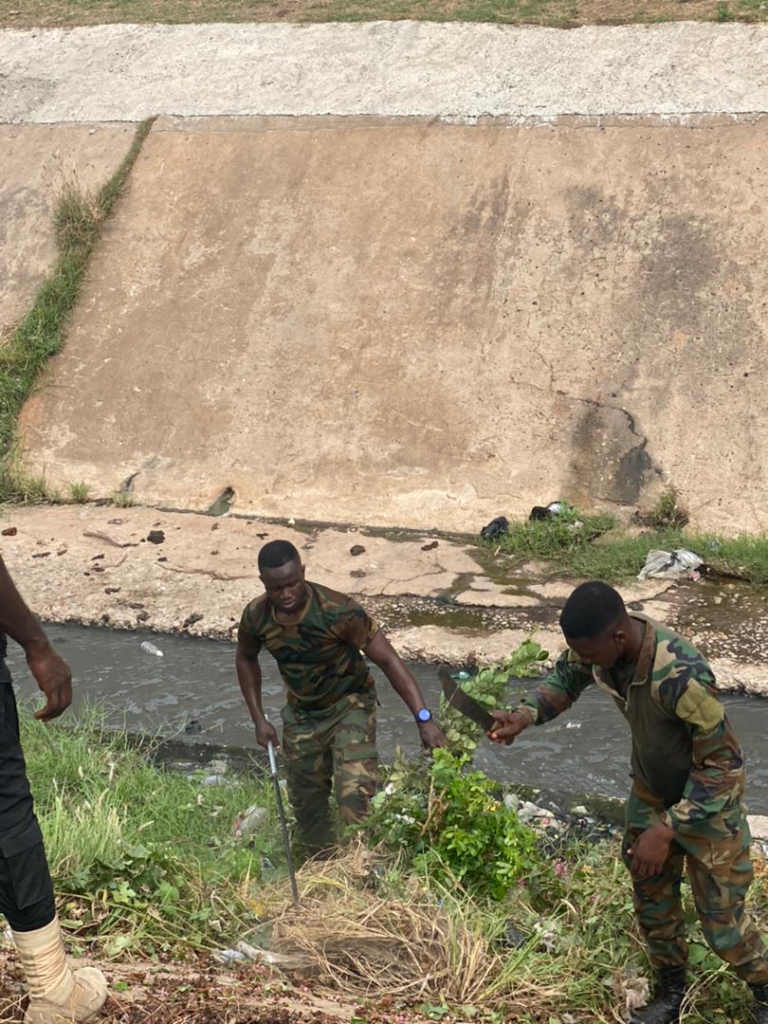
418, 945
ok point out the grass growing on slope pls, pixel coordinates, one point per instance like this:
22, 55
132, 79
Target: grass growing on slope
145, 857
79, 219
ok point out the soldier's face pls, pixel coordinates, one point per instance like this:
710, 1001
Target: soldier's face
604, 650
285, 586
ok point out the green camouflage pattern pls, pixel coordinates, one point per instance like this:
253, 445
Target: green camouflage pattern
318, 655
332, 748
684, 750
720, 872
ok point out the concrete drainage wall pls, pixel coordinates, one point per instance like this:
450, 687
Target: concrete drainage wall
414, 323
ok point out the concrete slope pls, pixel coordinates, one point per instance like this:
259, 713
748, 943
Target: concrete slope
36, 162
424, 325
127, 72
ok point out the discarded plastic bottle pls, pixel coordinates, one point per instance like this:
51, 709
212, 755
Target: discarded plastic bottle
149, 648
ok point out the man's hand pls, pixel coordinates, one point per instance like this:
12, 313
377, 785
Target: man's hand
650, 851
53, 677
432, 735
266, 733
507, 726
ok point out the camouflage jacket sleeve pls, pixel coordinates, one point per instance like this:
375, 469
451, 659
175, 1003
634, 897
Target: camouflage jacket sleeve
716, 779
248, 640
559, 690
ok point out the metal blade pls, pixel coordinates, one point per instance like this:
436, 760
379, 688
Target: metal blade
463, 703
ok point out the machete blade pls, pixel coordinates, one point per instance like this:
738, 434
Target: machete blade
463, 703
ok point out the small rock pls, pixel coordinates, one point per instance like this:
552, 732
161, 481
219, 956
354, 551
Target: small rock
192, 727
156, 536
357, 549
136, 605
115, 522
430, 547
215, 526
162, 559
96, 568
214, 552
191, 620
10, 531
95, 558
261, 536
112, 590
41, 554
142, 617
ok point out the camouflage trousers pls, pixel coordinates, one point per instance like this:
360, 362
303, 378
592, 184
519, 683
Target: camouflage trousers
720, 872
333, 748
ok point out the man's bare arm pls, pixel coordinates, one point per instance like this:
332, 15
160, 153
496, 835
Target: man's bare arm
249, 678
49, 669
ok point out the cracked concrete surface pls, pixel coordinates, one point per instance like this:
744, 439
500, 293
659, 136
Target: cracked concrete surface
142, 568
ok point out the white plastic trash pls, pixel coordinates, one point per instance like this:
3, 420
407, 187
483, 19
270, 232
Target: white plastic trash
670, 565
149, 648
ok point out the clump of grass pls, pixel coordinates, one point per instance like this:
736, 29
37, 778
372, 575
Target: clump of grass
141, 857
78, 222
556, 537
122, 498
666, 513
79, 491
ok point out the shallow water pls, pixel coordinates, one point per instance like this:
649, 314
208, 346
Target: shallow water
193, 687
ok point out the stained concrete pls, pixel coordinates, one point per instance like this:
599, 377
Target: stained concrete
127, 72
424, 325
97, 566
36, 163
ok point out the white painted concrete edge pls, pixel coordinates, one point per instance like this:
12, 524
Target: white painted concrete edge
395, 69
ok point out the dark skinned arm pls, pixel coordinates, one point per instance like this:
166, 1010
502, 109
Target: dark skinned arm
382, 653
50, 670
249, 678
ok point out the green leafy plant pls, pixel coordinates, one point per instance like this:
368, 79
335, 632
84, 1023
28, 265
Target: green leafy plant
488, 687
449, 823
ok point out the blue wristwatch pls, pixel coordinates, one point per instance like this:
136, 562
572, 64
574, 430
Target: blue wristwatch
423, 715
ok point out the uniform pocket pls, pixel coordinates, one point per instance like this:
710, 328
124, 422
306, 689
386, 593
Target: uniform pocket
26, 866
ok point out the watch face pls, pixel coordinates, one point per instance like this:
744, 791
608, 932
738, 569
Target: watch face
424, 715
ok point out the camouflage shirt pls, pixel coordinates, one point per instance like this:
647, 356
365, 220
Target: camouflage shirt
684, 750
318, 654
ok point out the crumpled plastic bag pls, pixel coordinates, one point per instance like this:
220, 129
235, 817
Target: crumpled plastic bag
670, 565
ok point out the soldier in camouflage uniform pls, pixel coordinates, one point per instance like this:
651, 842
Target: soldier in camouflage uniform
329, 722
688, 784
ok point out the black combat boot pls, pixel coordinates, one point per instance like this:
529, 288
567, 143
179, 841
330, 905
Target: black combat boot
665, 1008
760, 1010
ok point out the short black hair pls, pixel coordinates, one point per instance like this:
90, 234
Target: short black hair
278, 553
591, 609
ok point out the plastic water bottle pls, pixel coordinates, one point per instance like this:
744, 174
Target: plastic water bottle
149, 648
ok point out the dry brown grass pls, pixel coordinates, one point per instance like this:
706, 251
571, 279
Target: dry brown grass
413, 946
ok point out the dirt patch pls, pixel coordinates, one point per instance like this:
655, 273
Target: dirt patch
201, 991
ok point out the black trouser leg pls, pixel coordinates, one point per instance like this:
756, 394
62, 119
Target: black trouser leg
26, 890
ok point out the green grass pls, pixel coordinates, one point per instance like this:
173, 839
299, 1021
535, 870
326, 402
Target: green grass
144, 861
143, 857
555, 13
78, 491
79, 219
600, 549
